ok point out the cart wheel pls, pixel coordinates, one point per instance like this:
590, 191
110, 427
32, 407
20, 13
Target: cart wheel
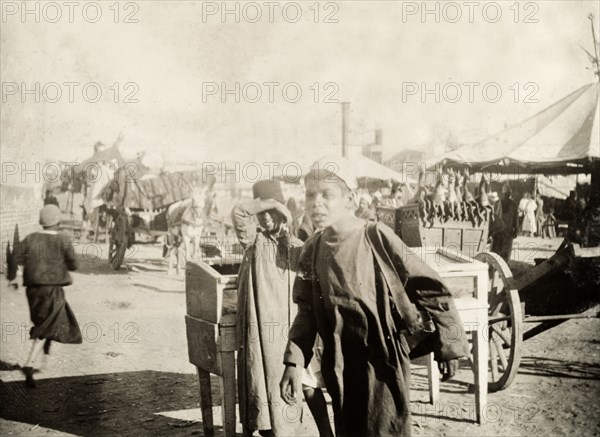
118, 241
505, 322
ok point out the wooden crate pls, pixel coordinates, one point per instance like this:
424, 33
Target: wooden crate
211, 290
458, 235
211, 303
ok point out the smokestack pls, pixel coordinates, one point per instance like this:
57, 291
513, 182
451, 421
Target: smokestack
378, 137
345, 111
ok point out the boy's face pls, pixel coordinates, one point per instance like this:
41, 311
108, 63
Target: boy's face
327, 199
363, 204
270, 220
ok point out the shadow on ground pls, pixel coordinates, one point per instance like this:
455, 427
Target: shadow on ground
106, 404
559, 368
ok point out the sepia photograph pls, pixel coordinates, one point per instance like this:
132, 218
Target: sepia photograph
300, 218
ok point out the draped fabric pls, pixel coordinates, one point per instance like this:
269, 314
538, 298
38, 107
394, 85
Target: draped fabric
561, 139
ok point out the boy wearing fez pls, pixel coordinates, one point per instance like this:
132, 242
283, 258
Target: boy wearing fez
264, 314
363, 291
47, 257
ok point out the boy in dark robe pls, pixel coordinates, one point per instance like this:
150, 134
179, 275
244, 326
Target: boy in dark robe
344, 295
264, 314
47, 257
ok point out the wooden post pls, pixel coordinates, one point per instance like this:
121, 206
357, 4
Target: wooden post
206, 402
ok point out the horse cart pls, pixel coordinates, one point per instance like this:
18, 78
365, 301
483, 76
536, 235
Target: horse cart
140, 206
562, 287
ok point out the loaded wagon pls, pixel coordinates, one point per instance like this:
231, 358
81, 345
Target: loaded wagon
140, 205
560, 288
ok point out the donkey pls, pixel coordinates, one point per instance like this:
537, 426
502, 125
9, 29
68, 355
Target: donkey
186, 222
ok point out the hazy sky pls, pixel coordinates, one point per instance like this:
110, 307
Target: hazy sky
368, 57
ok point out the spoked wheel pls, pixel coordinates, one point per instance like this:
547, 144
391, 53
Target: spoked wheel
505, 323
118, 240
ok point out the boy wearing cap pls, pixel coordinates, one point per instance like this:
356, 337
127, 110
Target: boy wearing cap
47, 257
264, 314
346, 294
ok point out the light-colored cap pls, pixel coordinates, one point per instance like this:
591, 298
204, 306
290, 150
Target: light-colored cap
50, 215
336, 166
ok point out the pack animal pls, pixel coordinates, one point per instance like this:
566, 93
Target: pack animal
186, 222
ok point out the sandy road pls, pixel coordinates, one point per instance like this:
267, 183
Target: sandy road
132, 376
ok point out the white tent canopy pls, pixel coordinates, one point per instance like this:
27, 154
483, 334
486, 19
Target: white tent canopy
365, 170
561, 139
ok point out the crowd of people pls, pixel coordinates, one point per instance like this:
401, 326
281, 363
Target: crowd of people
352, 296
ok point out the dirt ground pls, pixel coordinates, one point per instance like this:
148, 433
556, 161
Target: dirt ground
131, 375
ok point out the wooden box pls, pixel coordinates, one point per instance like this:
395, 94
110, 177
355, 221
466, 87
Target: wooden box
211, 290
467, 280
456, 235
464, 276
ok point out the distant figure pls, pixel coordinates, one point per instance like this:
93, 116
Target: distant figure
364, 210
377, 196
527, 208
50, 199
396, 197
570, 206
549, 225
539, 214
99, 147
496, 222
502, 241
47, 257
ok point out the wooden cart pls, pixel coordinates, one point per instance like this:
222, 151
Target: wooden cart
551, 293
140, 207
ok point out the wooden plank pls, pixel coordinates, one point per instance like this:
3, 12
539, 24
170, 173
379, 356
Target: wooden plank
203, 344
480, 364
461, 285
433, 375
586, 252
529, 279
204, 293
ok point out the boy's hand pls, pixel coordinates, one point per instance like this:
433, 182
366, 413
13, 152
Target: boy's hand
290, 385
448, 369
